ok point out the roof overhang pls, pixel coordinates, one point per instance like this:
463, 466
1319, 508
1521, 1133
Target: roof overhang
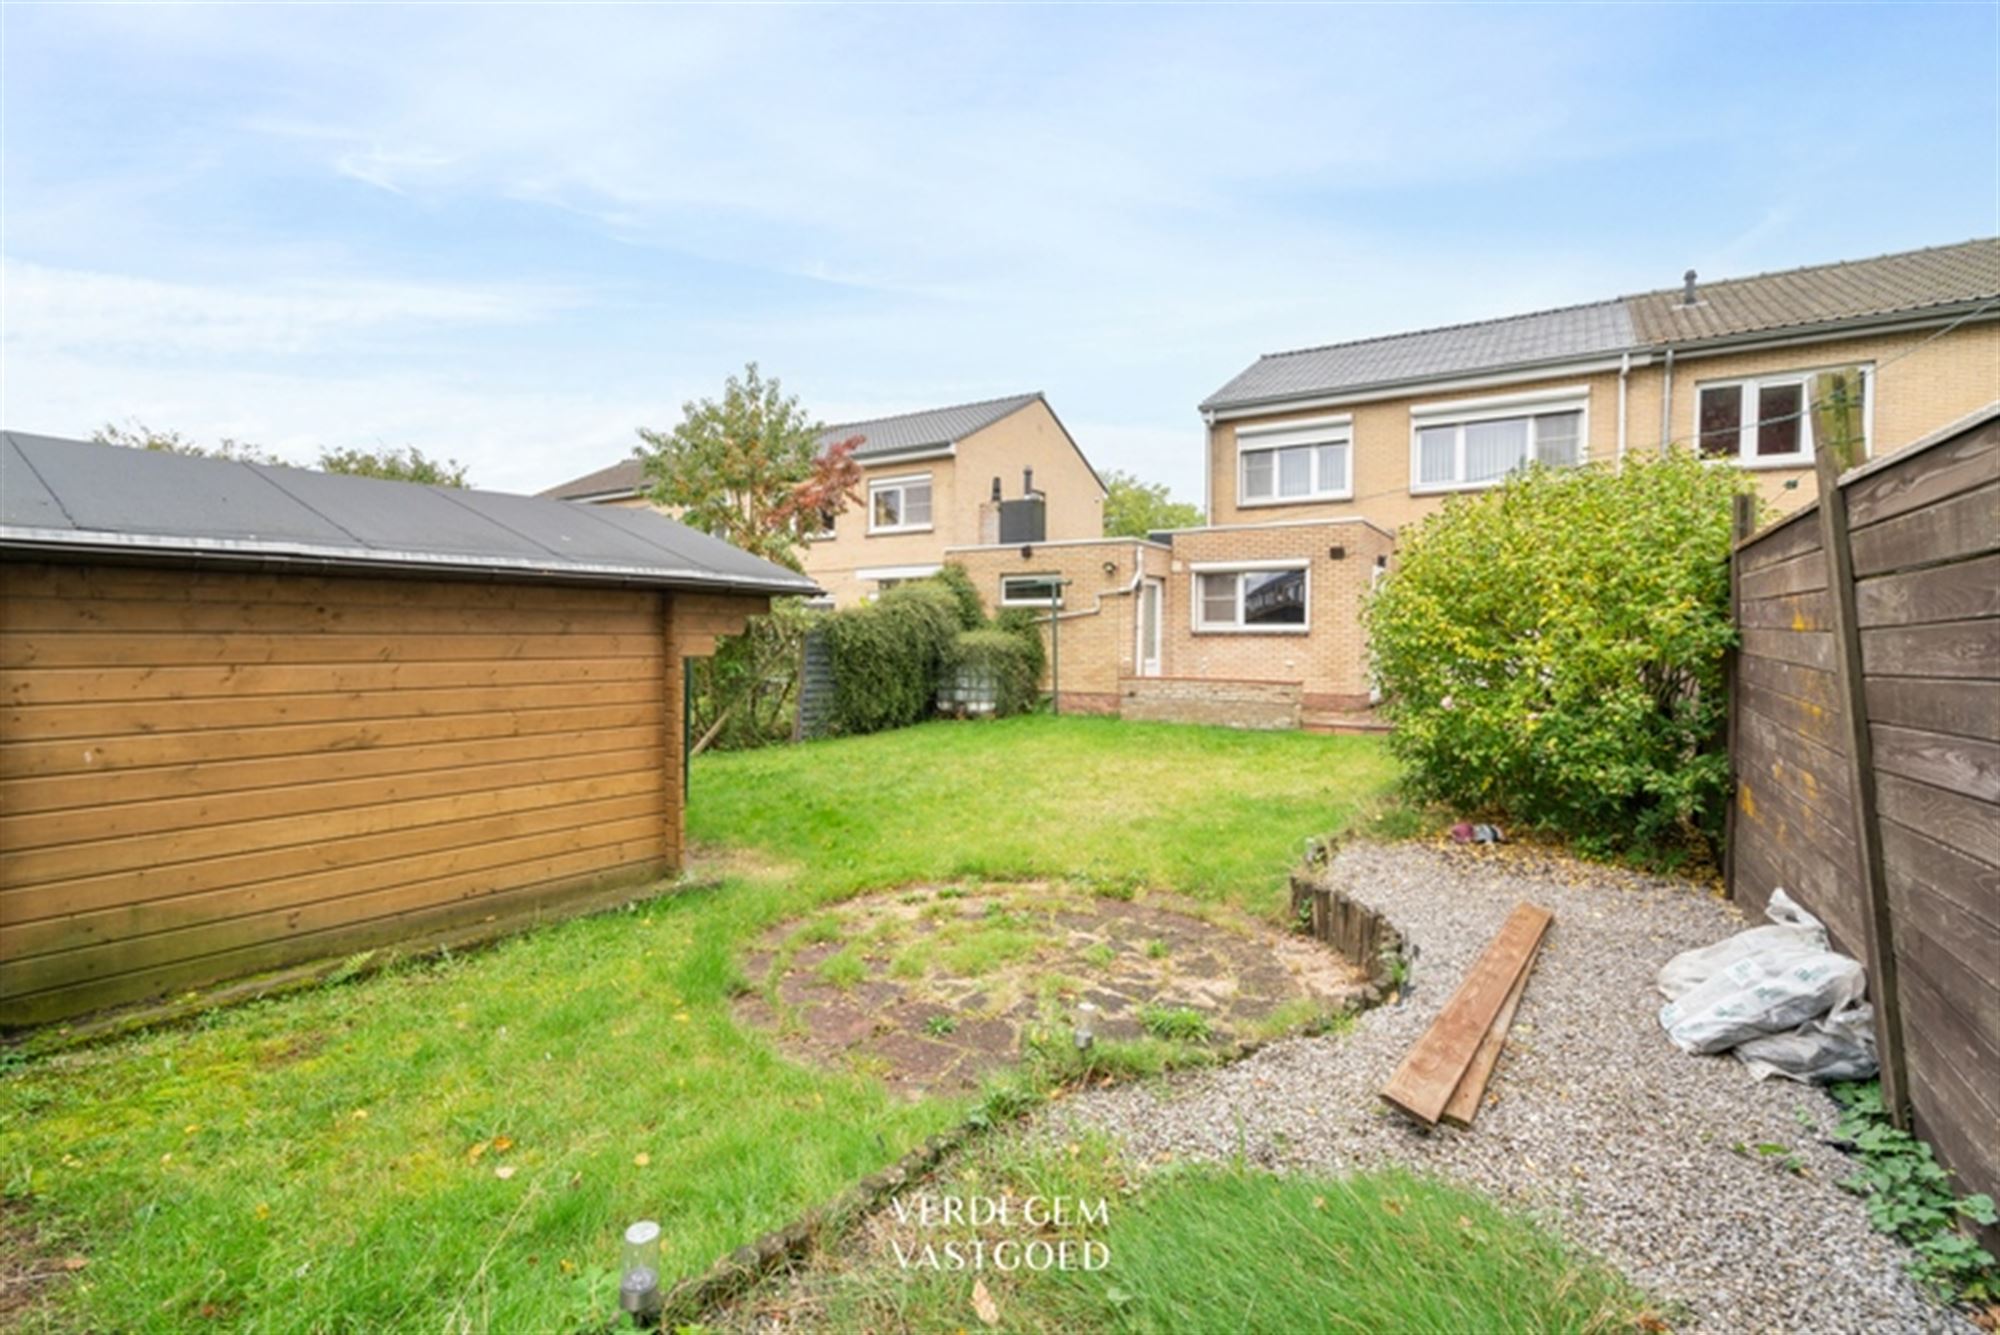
1513, 374
70, 544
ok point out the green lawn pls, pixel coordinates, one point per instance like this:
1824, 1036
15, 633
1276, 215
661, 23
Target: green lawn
331, 1160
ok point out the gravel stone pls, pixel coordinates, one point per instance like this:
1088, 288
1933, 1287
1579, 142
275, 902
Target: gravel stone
1595, 1122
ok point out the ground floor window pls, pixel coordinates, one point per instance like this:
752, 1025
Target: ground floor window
1251, 598
1767, 420
1030, 590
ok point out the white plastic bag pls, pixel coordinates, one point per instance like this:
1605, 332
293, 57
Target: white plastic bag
1792, 928
1762, 981
1840, 1046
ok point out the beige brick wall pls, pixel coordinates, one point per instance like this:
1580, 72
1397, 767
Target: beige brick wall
1330, 659
1937, 383
1259, 705
1098, 623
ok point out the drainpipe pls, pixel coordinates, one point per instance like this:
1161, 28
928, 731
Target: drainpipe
1624, 374
1667, 403
1208, 468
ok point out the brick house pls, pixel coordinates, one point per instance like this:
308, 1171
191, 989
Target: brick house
1318, 457
931, 480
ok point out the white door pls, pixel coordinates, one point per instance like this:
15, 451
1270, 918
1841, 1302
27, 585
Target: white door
1149, 628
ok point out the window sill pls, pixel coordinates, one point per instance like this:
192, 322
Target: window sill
1318, 498
1252, 630
900, 529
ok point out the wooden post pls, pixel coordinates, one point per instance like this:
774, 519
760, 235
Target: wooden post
1743, 522
1836, 406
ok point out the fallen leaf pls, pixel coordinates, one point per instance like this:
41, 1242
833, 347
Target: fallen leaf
360, 1114
166, 1158
568, 1266
263, 1211
75, 1262
681, 1016
1319, 1202
1393, 1205
503, 1171
501, 1144
191, 1130
477, 1152
642, 1158
983, 1304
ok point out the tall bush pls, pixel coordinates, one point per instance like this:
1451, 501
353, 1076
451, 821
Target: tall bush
747, 693
887, 656
993, 665
1553, 650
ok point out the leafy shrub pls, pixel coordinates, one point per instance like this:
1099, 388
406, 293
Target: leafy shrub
1026, 624
992, 665
971, 610
747, 691
887, 655
1909, 1195
1553, 649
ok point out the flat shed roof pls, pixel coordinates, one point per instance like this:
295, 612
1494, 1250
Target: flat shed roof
68, 498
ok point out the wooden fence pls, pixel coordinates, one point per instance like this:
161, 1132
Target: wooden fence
1865, 735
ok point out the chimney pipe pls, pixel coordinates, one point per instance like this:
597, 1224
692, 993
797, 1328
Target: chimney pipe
1027, 481
996, 489
1688, 297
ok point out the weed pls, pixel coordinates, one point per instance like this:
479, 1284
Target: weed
844, 969
1100, 955
1157, 950
940, 1025
1182, 1023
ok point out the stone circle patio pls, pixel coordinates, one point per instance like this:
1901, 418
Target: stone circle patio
933, 987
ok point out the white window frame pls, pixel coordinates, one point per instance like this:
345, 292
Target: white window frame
1307, 434
1746, 455
1197, 615
1049, 576
1536, 403
827, 533
899, 484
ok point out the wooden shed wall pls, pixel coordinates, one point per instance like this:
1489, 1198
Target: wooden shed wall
1924, 533
208, 774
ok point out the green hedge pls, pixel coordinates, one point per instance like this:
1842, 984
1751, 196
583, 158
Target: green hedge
887, 656
1553, 649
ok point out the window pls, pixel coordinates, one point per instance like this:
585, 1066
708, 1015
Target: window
1467, 445
1030, 590
1260, 598
821, 525
1762, 422
1295, 461
899, 504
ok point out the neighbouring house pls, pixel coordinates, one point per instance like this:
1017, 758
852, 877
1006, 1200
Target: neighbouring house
1001, 469
1317, 458
258, 716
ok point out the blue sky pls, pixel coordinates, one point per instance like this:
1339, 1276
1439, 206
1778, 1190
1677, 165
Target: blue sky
514, 234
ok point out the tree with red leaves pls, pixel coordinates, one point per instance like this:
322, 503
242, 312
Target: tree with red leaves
749, 469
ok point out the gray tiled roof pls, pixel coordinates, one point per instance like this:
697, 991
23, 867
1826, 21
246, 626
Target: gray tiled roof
1936, 279
70, 497
1545, 336
933, 428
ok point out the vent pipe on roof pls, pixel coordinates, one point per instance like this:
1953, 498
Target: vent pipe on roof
1688, 297
996, 489
1027, 481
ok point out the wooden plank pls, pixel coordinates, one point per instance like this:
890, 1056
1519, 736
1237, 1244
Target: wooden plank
1945, 649
1781, 542
1963, 708
1878, 924
1787, 611
1809, 685
1919, 481
1818, 773
1961, 892
1801, 574
332, 616
79, 685
119, 787
1811, 878
1810, 648
141, 918
145, 884
21, 868
1962, 823
170, 584
1965, 525
316, 797
1742, 521
23, 977
1467, 1099
560, 899
1430, 1073
1816, 722
122, 649
33, 723
1960, 591
103, 754
1955, 763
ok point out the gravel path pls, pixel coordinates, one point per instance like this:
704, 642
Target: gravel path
1600, 1124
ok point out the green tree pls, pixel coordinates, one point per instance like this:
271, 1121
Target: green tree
408, 464
139, 436
749, 469
1132, 508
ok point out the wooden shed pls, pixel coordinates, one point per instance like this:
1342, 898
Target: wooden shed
257, 716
